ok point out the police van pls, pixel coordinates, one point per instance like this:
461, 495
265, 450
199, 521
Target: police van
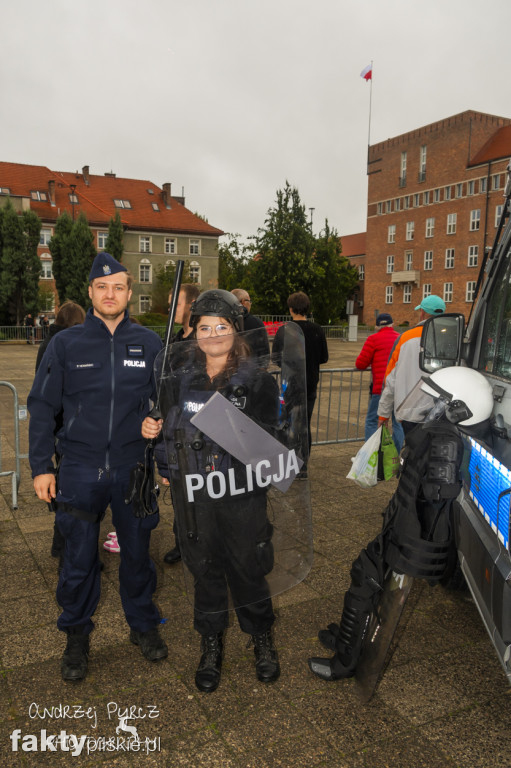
481, 513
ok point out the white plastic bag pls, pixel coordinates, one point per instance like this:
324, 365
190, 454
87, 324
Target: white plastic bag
364, 469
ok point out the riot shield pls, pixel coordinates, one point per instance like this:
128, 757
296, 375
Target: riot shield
234, 432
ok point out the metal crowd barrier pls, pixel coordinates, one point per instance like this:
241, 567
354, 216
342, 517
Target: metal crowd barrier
341, 406
13, 473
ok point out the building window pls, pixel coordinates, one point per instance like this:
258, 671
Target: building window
410, 229
406, 202
471, 186
397, 204
473, 255
144, 244
390, 264
483, 185
194, 248
170, 245
144, 304
436, 195
379, 209
391, 233
145, 271
416, 200
495, 181
388, 204
449, 258
451, 223
470, 290
389, 294
122, 203
36, 195
402, 175
475, 219
5, 191
426, 197
426, 290
155, 206
447, 193
408, 261
459, 190
428, 260
430, 227
407, 294
46, 270
448, 293
498, 214
169, 265
361, 272
195, 271
102, 238
45, 236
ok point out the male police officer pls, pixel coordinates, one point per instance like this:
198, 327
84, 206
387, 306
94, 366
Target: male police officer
100, 375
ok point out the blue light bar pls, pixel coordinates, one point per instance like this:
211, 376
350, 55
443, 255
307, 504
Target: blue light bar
488, 478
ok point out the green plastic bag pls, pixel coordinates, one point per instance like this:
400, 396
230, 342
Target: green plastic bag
388, 457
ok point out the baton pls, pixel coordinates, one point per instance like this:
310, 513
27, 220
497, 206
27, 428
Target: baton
178, 274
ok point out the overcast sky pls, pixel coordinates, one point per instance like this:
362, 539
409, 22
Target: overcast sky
228, 99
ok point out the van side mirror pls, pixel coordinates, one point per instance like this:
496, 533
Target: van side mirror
441, 340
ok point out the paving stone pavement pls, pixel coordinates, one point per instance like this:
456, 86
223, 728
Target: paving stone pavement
444, 701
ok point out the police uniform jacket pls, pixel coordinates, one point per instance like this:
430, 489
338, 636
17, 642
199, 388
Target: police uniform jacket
103, 384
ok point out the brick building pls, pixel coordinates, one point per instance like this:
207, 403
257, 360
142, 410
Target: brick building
434, 198
158, 228
354, 248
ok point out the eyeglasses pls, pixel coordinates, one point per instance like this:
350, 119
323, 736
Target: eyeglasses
246, 301
205, 331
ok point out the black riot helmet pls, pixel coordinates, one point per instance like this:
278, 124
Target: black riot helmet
217, 303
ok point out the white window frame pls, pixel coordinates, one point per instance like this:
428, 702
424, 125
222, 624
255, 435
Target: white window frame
46, 269
407, 294
428, 261
361, 272
389, 294
495, 181
102, 238
145, 243
408, 261
473, 255
416, 200
410, 230
388, 206
144, 304
426, 290
170, 246
470, 290
471, 187
391, 233
45, 236
379, 209
38, 195
447, 193
122, 203
397, 204
145, 272
194, 247
448, 292
483, 185
423, 158
390, 264
426, 197
459, 189
475, 219
449, 258
403, 165
436, 195
430, 226
452, 219
195, 272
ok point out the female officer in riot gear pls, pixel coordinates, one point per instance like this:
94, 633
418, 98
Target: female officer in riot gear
221, 512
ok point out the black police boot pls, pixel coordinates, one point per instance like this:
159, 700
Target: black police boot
208, 672
328, 637
349, 635
267, 660
74, 663
172, 556
151, 644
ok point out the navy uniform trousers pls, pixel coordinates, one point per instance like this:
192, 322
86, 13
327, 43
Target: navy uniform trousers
83, 497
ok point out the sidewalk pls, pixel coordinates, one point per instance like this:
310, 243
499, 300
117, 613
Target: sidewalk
443, 703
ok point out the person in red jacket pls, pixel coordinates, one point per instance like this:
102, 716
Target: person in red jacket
375, 354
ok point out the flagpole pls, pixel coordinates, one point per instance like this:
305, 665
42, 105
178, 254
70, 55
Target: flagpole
370, 109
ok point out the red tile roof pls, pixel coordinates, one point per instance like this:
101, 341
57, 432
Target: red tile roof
354, 245
96, 199
497, 147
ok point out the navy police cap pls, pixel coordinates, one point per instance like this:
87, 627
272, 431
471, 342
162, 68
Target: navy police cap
104, 264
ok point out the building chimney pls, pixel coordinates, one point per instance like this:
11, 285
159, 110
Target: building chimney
165, 193
110, 174
51, 191
85, 172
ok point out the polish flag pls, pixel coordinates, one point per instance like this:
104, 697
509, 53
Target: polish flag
367, 73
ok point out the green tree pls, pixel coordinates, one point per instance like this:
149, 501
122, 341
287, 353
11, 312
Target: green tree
163, 280
59, 249
334, 278
19, 263
285, 248
81, 254
234, 261
114, 242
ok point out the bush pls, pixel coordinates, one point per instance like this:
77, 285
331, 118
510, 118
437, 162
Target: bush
152, 318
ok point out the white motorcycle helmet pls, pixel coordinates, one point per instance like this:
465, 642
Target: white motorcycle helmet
467, 395
463, 395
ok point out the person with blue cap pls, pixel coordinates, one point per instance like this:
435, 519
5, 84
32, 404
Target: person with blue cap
403, 372
100, 376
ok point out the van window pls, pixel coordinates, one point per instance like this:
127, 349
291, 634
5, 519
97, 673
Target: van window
496, 347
